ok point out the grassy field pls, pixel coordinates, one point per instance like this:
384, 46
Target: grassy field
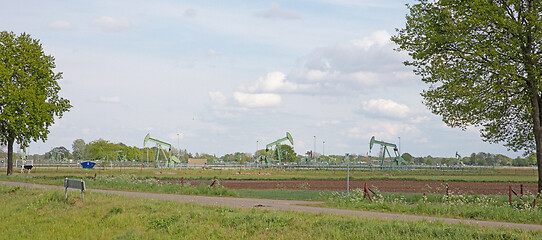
478, 207
44, 214
497, 175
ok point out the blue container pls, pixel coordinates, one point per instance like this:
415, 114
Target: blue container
88, 164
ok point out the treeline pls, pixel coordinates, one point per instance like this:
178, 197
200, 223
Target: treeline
478, 159
107, 151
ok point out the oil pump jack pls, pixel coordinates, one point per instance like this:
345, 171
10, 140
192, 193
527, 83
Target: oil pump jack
159, 145
396, 161
277, 144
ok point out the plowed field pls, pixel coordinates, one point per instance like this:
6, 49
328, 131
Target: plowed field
381, 185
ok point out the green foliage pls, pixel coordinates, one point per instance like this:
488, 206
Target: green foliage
287, 153
163, 223
112, 212
104, 150
481, 59
79, 149
29, 91
407, 157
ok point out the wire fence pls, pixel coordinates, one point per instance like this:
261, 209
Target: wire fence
361, 166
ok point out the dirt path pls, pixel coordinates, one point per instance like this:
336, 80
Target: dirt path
290, 205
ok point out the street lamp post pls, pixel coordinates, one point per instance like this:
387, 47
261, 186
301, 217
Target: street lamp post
314, 149
178, 145
399, 145
324, 148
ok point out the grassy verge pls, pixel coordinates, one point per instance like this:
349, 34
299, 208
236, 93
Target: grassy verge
290, 174
477, 207
285, 194
44, 214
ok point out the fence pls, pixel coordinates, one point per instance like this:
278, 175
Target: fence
250, 165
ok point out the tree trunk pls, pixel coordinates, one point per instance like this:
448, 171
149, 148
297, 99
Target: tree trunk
537, 129
10, 156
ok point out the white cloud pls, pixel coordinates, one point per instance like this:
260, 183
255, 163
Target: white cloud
212, 53
61, 25
110, 24
366, 79
360, 65
275, 82
115, 99
386, 131
385, 107
378, 39
190, 13
256, 100
274, 11
317, 75
218, 98
176, 136
328, 123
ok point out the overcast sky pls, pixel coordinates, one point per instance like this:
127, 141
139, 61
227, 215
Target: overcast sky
230, 76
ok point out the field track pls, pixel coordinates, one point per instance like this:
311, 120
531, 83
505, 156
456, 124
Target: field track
291, 205
381, 185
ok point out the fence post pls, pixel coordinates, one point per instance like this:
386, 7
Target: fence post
510, 194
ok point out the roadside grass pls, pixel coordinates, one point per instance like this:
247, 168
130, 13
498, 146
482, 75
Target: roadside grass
285, 194
44, 214
478, 207
497, 175
471, 206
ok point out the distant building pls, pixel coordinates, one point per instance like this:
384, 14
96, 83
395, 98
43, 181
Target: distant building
197, 162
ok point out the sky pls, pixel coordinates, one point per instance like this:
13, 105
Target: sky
220, 77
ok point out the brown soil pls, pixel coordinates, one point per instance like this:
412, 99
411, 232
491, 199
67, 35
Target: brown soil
380, 185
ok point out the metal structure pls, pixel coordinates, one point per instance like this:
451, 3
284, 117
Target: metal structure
277, 144
395, 161
159, 144
262, 159
458, 158
121, 156
57, 155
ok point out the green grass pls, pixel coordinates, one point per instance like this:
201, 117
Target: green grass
285, 194
477, 207
44, 214
498, 175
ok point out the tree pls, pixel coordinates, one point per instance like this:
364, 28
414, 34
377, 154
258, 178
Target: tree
29, 99
407, 157
482, 60
287, 153
78, 148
